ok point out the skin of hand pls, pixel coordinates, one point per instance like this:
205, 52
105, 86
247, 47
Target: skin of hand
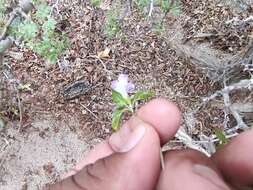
130, 159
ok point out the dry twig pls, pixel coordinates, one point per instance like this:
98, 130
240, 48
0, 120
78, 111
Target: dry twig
238, 22
87, 109
151, 8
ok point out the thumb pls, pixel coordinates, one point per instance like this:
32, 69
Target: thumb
135, 162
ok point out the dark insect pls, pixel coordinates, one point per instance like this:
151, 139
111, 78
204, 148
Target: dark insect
76, 90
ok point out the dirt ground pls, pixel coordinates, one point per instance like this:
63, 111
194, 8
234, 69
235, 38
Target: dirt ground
54, 133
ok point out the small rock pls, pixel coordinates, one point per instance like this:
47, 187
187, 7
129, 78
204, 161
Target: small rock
2, 124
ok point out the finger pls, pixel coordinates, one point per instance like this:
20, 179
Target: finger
100, 151
163, 115
235, 160
135, 166
189, 169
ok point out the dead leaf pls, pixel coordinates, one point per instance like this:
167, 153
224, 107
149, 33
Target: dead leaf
89, 69
104, 54
25, 87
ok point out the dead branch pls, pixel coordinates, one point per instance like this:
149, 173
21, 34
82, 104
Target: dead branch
55, 6
188, 141
240, 23
243, 84
234, 112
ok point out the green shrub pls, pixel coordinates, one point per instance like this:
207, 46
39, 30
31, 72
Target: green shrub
95, 3
141, 4
38, 33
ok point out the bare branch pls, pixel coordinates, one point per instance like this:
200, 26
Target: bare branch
237, 22
188, 141
242, 84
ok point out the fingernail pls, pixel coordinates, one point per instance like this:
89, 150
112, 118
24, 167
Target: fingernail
128, 136
210, 175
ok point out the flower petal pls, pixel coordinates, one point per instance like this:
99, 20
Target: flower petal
114, 85
130, 87
123, 79
122, 85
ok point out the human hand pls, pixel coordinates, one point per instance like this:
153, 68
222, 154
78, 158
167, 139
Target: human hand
130, 158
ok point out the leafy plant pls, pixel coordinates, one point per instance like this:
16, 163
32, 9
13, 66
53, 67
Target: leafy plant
95, 3
39, 33
27, 30
50, 49
141, 4
124, 102
43, 11
221, 136
164, 5
2, 5
113, 27
175, 9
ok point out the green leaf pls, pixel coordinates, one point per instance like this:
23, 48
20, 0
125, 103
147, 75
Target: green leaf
119, 100
165, 5
2, 5
176, 10
141, 95
43, 11
141, 4
95, 3
221, 136
116, 117
50, 48
27, 30
49, 26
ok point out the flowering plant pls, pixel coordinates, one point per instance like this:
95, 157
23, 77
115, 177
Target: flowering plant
124, 102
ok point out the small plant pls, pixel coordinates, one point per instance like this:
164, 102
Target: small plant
165, 5
175, 9
221, 137
125, 103
36, 31
142, 4
112, 27
95, 3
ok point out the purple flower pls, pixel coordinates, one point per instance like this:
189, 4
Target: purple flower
123, 86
